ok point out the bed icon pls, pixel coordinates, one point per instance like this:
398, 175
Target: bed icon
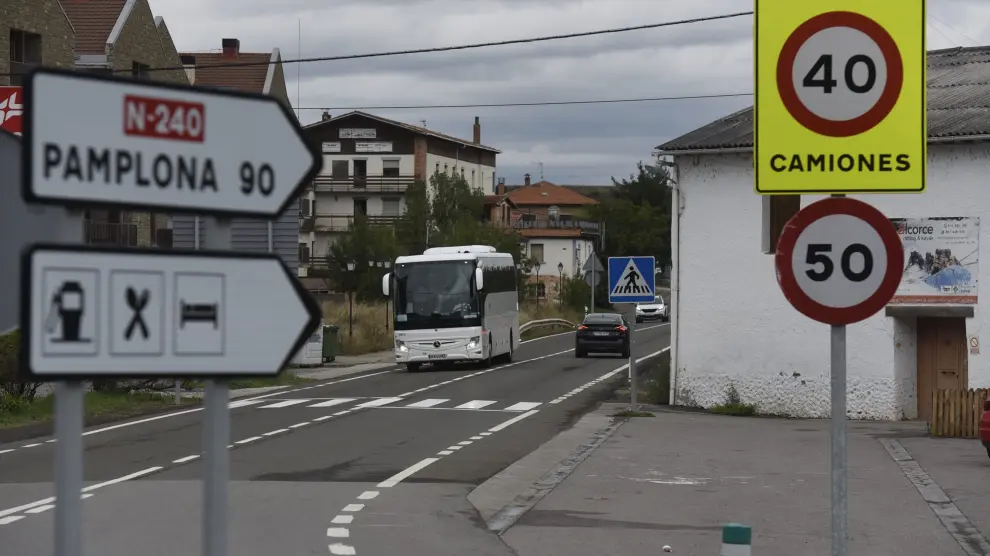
198, 312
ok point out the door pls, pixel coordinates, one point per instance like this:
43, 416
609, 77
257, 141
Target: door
943, 363
360, 173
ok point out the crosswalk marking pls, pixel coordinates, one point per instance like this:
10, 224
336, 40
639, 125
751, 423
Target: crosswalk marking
523, 406
244, 403
379, 402
427, 403
285, 403
331, 403
475, 404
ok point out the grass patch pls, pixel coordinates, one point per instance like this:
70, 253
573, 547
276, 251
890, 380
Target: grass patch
734, 405
15, 412
369, 335
631, 413
284, 378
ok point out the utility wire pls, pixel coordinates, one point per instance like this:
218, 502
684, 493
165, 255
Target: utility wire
461, 46
958, 32
547, 103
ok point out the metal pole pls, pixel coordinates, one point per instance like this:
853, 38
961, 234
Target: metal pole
594, 266
350, 314
216, 434
839, 472
633, 406
68, 467
69, 413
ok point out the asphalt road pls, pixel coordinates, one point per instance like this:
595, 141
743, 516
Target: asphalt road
373, 463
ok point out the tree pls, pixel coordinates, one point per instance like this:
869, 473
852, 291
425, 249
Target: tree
365, 243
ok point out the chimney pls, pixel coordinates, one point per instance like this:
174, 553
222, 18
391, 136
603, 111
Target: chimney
189, 65
526, 180
477, 130
500, 188
231, 47
326, 115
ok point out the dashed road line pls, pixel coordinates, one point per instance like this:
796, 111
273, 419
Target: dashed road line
605, 377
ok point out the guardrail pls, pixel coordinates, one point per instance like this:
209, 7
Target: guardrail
544, 322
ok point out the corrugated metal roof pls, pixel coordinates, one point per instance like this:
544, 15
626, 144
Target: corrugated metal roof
958, 105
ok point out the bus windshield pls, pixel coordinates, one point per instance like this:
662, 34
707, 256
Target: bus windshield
436, 295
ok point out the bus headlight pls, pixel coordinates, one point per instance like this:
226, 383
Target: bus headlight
474, 342
400, 345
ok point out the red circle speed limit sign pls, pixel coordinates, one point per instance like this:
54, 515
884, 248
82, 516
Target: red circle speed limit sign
839, 261
839, 74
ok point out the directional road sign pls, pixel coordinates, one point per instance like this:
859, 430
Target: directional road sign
102, 141
631, 279
92, 312
839, 261
840, 96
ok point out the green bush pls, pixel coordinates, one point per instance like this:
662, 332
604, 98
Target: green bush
12, 386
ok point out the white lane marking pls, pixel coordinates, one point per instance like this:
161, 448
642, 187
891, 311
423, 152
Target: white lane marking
274, 432
444, 453
368, 495
406, 473
477, 437
342, 519
141, 473
333, 402
243, 403
465, 443
286, 403
185, 459
50, 441
339, 413
479, 373
31, 445
338, 549
571, 332
454, 448
606, 376
379, 402
40, 509
523, 406
87, 495
6, 451
486, 433
338, 532
427, 403
247, 440
318, 419
297, 425
475, 404
10, 519
353, 508
513, 421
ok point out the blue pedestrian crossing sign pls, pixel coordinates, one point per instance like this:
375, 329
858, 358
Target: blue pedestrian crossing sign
631, 279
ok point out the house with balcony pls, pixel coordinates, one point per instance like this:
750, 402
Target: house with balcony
32, 33
124, 37
265, 76
368, 164
559, 231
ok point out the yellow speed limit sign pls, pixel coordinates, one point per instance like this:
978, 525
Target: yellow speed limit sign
840, 96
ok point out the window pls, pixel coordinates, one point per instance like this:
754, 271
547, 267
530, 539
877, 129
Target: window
536, 252
140, 71
390, 167
25, 51
462, 172
390, 206
777, 211
360, 207
541, 289
446, 170
473, 183
438, 168
304, 207
303, 253
499, 278
339, 169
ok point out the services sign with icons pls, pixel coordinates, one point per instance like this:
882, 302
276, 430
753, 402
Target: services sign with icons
839, 261
840, 97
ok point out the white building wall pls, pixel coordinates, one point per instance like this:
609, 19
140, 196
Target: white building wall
482, 173
736, 327
572, 252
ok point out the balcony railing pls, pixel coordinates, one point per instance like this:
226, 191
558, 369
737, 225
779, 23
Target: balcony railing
342, 222
557, 224
370, 183
104, 233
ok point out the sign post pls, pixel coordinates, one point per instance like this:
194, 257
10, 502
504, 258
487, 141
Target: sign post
90, 312
839, 261
632, 280
840, 97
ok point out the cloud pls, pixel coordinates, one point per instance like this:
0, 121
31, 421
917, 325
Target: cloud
577, 144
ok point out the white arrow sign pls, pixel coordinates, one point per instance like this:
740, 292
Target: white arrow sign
95, 140
93, 312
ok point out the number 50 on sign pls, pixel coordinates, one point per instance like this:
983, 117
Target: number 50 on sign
840, 96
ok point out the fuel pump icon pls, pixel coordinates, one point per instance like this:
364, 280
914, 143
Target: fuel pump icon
67, 307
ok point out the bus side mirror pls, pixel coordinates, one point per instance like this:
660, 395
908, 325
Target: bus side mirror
386, 282
479, 279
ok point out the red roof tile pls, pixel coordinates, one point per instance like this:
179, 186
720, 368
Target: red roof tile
544, 193
93, 20
243, 78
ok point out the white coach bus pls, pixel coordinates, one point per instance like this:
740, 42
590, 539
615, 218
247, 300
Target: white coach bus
454, 304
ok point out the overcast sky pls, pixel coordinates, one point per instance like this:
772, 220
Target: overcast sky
577, 144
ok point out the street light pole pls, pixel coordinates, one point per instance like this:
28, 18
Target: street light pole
350, 299
537, 267
386, 265
560, 284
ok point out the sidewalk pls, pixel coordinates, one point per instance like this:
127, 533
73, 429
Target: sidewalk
675, 478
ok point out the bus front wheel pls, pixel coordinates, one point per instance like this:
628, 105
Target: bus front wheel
412, 367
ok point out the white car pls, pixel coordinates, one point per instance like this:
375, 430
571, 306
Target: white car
657, 310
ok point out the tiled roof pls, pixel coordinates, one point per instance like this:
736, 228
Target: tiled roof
958, 105
242, 78
93, 20
544, 193
413, 128
496, 199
